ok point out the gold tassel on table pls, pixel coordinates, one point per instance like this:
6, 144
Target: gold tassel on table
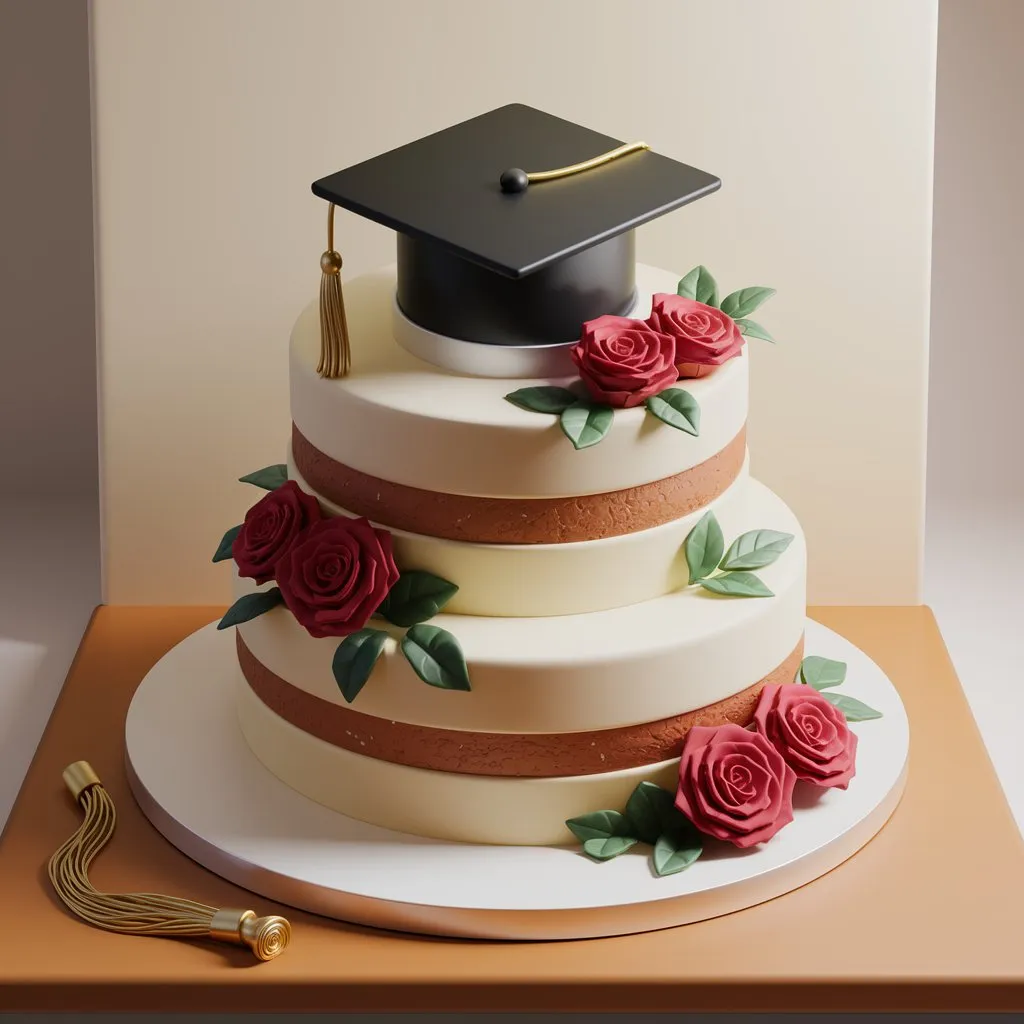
144, 913
335, 353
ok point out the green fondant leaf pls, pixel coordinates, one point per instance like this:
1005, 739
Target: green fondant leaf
736, 584
853, 709
354, 660
756, 549
248, 607
269, 478
545, 399
599, 825
677, 408
753, 330
822, 673
416, 597
605, 849
677, 847
743, 302
585, 423
223, 551
647, 810
436, 657
703, 547
700, 285
687, 287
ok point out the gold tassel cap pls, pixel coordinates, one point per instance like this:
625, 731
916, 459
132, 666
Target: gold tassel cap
335, 351
144, 913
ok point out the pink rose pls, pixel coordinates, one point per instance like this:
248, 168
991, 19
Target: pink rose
705, 337
271, 527
810, 733
734, 785
623, 362
336, 576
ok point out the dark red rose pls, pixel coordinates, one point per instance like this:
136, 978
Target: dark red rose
271, 527
336, 576
623, 362
734, 785
809, 732
705, 337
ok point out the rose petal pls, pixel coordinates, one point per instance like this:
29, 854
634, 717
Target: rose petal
270, 528
336, 578
733, 784
703, 334
623, 362
826, 759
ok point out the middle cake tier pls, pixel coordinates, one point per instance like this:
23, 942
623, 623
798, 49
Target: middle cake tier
627, 666
527, 580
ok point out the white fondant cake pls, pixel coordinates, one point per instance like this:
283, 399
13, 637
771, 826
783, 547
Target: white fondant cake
574, 614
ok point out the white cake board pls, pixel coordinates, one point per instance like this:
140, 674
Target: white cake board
196, 779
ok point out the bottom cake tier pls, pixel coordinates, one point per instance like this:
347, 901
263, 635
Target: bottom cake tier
196, 779
565, 716
472, 808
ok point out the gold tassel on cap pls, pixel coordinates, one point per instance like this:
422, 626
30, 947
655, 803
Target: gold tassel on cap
144, 913
335, 354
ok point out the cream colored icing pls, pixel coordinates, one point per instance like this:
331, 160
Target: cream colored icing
403, 420
521, 580
443, 805
622, 666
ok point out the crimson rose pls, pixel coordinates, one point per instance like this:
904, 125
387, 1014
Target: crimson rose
734, 785
704, 336
809, 732
270, 528
336, 576
623, 362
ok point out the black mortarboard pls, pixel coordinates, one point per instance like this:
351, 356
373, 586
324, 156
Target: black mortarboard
485, 256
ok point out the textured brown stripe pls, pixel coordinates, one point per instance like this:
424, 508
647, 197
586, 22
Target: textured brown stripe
518, 520
533, 755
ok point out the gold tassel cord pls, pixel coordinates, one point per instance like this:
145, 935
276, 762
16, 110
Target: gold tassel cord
587, 165
335, 352
515, 179
144, 913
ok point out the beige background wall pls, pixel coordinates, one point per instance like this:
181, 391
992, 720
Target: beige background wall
213, 116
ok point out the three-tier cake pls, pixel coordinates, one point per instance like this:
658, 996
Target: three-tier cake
515, 553
517, 643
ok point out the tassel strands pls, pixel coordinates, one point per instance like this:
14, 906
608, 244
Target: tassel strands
335, 352
143, 913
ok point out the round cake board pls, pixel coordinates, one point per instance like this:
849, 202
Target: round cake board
196, 779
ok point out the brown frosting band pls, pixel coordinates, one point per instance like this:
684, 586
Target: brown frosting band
524, 755
478, 520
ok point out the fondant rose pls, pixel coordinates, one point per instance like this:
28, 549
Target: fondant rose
705, 337
810, 733
623, 362
270, 528
336, 576
734, 785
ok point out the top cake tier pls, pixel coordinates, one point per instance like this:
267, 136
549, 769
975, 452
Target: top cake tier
399, 430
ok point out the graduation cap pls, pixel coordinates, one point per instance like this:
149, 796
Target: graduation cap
514, 227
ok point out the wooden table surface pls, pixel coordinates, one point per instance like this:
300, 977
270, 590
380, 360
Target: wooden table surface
928, 916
